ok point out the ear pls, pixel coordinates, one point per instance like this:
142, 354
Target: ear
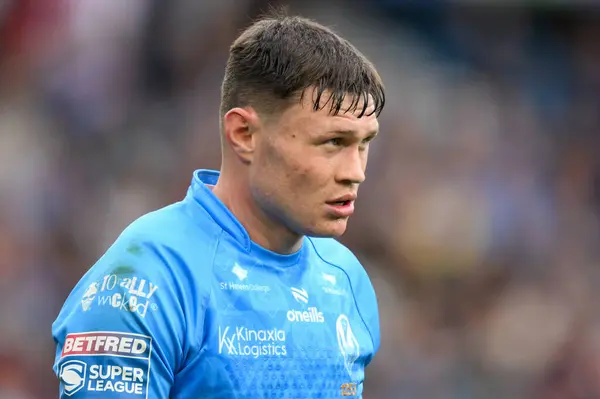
239, 128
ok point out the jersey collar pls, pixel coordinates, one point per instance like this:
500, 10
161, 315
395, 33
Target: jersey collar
204, 197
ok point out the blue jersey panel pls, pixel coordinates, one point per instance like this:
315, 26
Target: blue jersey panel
185, 306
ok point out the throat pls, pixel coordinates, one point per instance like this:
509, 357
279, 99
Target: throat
285, 242
263, 229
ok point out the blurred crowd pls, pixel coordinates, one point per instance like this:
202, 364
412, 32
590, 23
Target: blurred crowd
478, 223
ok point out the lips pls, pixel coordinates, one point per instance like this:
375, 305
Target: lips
339, 203
342, 207
343, 200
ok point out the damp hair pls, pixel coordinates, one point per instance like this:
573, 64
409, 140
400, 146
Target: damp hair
274, 62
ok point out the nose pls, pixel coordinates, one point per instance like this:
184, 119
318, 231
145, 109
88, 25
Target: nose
352, 169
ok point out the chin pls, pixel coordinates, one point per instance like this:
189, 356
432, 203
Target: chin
329, 229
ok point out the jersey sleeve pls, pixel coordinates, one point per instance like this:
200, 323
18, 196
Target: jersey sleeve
121, 331
367, 301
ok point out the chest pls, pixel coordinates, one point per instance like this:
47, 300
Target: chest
285, 334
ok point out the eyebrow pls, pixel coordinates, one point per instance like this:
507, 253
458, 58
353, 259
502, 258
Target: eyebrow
372, 133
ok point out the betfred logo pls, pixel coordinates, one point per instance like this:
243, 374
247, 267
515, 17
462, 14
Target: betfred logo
108, 344
114, 363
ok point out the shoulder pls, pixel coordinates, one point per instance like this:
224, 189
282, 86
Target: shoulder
158, 262
164, 249
148, 284
334, 252
170, 245
173, 235
338, 255
173, 226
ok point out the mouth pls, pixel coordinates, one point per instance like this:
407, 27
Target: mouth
340, 203
342, 207
343, 200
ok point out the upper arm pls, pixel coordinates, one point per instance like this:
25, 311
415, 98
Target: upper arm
366, 301
371, 312
121, 331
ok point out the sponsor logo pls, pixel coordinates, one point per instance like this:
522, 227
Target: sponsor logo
349, 389
335, 291
330, 278
132, 294
72, 374
310, 315
105, 377
121, 379
240, 272
243, 287
243, 341
89, 296
300, 295
348, 344
330, 287
109, 344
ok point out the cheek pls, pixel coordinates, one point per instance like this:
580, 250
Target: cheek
289, 164
308, 180
294, 171
299, 172
281, 172
272, 160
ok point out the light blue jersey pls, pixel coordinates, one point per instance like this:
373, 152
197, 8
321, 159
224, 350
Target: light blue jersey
185, 306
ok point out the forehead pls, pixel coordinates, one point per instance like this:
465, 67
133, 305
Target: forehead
304, 113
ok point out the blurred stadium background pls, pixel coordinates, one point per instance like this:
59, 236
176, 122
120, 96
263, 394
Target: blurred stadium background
478, 223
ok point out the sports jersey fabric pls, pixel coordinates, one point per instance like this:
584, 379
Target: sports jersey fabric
184, 305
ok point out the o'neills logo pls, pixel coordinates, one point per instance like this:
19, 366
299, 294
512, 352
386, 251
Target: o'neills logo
310, 315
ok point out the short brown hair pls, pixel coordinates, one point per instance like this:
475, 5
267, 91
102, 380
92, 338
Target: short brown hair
278, 57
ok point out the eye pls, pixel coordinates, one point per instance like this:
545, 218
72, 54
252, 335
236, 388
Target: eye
365, 143
336, 141
369, 139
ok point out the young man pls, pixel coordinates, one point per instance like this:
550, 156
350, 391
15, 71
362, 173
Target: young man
239, 290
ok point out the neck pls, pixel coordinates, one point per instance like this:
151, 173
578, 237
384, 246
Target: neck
262, 229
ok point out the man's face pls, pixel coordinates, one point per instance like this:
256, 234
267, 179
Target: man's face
308, 166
